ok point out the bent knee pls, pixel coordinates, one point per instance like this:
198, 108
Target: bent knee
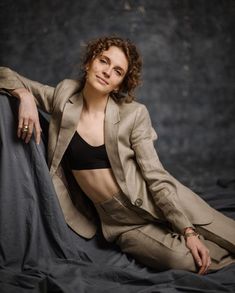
179, 261
154, 254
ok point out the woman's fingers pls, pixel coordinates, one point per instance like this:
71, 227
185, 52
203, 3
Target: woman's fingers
20, 125
200, 253
24, 129
34, 126
28, 121
29, 132
205, 261
196, 257
38, 131
208, 263
204, 264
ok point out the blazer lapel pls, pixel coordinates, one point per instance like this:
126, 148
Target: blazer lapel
112, 119
111, 127
69, 122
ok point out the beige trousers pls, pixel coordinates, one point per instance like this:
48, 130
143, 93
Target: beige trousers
155, 245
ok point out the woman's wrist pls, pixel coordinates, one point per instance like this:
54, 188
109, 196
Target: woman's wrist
188, 229
190, 232
19, 93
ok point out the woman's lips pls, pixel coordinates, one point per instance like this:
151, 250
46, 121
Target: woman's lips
101, 80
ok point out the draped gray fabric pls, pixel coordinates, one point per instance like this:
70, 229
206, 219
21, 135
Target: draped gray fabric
40, 253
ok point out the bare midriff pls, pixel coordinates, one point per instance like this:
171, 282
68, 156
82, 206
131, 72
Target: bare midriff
98, 184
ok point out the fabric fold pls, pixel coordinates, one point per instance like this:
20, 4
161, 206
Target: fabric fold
40, 253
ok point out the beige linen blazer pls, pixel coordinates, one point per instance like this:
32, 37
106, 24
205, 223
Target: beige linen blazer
135, 164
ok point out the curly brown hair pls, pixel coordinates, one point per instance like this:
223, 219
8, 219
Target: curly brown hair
133, 76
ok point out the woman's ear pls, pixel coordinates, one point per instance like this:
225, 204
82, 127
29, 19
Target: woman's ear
87, 66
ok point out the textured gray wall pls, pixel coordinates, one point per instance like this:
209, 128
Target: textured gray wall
189, 67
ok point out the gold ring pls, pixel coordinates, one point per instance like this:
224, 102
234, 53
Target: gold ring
25, 128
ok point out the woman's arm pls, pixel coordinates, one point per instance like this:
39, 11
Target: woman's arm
43, 94
31, 94
27, 115
159, 182
162, 188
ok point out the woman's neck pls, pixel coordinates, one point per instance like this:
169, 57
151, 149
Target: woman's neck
94, 102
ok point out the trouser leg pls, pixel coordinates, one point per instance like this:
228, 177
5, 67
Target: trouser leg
154, 246
151, 243
157, 247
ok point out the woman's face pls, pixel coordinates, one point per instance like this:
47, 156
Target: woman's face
106, 72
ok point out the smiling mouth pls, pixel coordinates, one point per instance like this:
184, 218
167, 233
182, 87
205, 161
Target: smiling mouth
103, 81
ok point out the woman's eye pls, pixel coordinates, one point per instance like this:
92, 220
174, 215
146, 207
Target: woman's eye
118, 72
103, 61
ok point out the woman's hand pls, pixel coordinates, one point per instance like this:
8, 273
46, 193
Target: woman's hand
28, 119
199, 251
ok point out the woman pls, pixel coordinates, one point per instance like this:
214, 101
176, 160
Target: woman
106, 139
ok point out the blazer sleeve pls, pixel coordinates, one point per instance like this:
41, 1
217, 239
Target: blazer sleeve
159, 181
44, 94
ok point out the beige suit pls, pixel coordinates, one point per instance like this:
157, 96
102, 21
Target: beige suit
129, 142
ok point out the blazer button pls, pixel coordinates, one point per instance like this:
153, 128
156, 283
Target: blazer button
138, 202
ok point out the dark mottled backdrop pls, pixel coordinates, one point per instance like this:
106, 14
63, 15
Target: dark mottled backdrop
189, 69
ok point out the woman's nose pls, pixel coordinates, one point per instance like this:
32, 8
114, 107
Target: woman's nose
107, 71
